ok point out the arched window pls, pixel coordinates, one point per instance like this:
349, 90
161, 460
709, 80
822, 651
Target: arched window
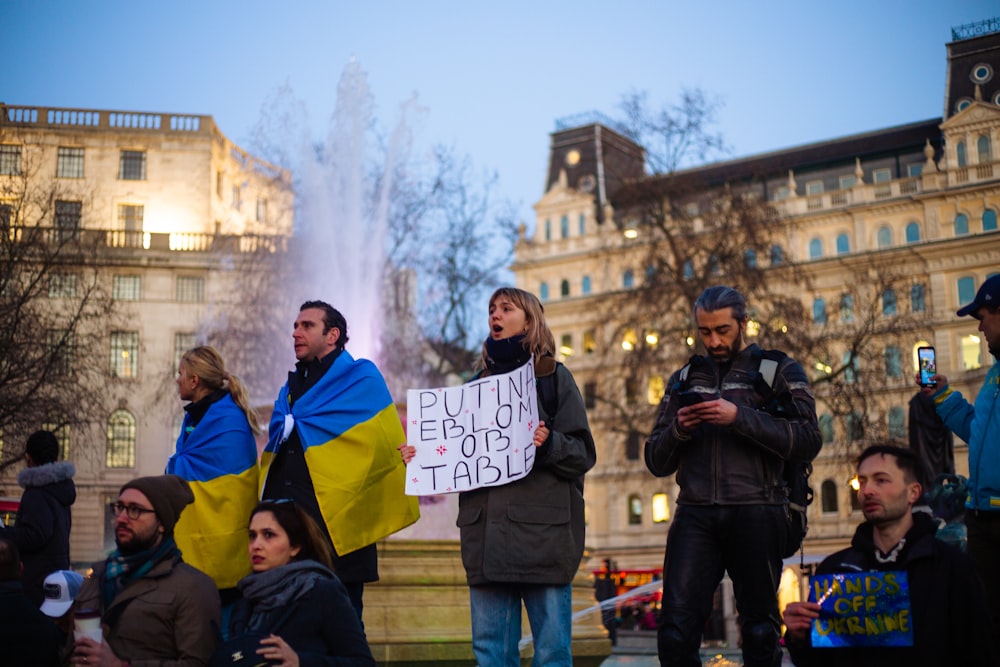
564, 227
961, 224
966, 290
815, 248
777, 255
989, 220
819, 311
884, 237
918, 301
913, 232
543, 292
897, 423
846, 308
826, 428
843, 244
828, 496
893, 362
121, 440
628, 280
564, 287
983, 148
960, 153
634, 510
889, 302
750, 259
548, 230
586, 285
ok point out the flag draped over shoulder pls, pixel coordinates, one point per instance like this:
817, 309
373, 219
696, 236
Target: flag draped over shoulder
218, 458
350, 431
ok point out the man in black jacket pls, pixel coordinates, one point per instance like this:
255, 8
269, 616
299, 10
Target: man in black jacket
28, 638
950, 619
727, 430
41, 529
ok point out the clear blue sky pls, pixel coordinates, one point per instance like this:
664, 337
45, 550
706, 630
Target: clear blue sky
494, 77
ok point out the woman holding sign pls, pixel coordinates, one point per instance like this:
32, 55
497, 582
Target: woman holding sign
522, 542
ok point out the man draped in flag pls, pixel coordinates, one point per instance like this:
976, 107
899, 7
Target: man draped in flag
332, 447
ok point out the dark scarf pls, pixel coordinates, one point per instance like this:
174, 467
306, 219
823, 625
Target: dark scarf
277, 588
506, 354
120, 570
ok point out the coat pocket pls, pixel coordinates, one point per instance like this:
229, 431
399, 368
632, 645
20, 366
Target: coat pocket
540, 539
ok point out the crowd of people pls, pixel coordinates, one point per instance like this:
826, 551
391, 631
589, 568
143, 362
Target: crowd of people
228, 554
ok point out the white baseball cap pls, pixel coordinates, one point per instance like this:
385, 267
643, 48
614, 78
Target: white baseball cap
60, 589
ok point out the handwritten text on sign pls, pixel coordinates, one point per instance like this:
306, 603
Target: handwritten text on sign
475, 435
862, 609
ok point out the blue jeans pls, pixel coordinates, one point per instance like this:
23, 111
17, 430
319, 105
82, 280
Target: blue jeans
496, 623
703, 544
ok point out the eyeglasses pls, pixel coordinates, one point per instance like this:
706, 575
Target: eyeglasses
131, 511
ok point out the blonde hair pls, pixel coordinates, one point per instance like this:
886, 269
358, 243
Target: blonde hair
206, 363
538, 339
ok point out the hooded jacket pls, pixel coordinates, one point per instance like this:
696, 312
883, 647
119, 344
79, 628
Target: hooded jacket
41, 531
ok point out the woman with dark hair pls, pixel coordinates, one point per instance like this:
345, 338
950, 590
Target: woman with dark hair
522, 542
292, 598
217, 455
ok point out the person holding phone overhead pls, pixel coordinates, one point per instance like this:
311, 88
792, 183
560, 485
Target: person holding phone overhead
977, 424
523, 541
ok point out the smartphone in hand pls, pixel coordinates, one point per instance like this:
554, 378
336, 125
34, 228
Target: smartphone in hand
927, 363
689, 397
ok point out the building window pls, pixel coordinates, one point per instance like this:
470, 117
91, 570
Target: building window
913, 232
750, 258
183, 341
815, 248
190, 289
966, 290
897, 423
893, 362
889, 302
847, 181
564, 288
564, 227
781, 193
918, 301
585, 285
881, 175
10, 159
972, 352
126, 288
589, 344
566, 345
132, 166
631, 391
914, 170
884, 236
59, 349
814, 187
661, 508
582, 225
69, 162
634, 510
124, 354
629, 340
219, 184
261, 209
62, 286
589, 394
237, 198
989, 220
121, 440
6, 215
777, 255
819, 311
688, 271
961, 224
983, 148
68, 220
655, 389
846, 308
828, 496
548, 230
981, 73
850, 367
632, 442
855, 427
628, 279
960, 153
826, 428
543, 292
843, 244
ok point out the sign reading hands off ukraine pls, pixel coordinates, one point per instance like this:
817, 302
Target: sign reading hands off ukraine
862, 609
475, 435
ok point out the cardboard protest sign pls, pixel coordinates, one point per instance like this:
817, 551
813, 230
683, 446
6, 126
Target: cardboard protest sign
862, 609
475, 435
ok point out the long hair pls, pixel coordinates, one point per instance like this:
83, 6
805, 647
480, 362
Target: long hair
206, 363
302, 530
538, 339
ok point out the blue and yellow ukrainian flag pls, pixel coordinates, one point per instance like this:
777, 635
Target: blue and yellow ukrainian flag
350, 431
218, 458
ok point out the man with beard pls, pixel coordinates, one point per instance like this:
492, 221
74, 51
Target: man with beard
727, 431
977, 424
947, 604
154, 608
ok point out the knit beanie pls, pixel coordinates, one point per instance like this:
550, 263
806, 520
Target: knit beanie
168, 494
42, 447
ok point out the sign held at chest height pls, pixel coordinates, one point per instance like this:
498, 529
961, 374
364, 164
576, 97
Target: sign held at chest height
474, 435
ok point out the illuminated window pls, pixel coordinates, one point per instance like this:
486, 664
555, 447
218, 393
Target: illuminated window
655, 389
634, 510
121, 440
972, 356
629, 340
661, 508
124, 354
566, 345
589, 344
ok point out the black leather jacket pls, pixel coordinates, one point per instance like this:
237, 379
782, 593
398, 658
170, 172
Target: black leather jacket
739, 464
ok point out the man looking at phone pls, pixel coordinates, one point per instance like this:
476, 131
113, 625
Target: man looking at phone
726, 430
978, 424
